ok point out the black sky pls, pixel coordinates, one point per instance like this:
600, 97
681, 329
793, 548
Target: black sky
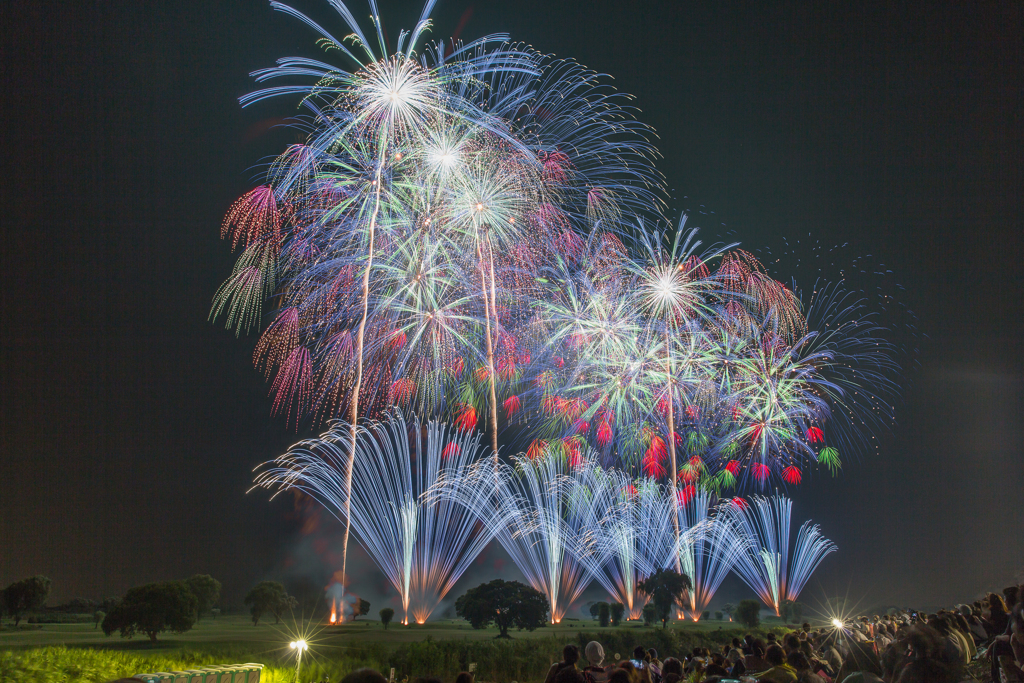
130, 424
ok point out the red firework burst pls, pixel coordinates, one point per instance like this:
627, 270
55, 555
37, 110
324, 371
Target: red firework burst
252, 216
536, 449
467, 418
653, 462
511, 406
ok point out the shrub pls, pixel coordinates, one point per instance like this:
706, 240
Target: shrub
59, 618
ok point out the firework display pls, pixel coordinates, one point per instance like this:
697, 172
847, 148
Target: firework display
422, 546
765, 563
527, 506
474, 234
630, 531
708, 551
698, 368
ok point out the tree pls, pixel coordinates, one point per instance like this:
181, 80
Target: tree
97, 617
718, 615
650, 614
666, 587
748, 613
594, 609
729, 609
25, 596
706, 614
617, 609
791, 611
603, 613
505, 604
269, 596
361, 608
207, 592
152, 609
386, 615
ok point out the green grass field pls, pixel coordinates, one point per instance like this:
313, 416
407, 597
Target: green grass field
48, 653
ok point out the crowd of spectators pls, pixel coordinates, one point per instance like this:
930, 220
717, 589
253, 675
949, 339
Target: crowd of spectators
904, 646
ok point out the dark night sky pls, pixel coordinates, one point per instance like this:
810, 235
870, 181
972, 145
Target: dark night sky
130, 424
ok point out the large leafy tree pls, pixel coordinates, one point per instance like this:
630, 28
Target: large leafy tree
207, 592
152, 609
25, 595
505, 604
748, 613
792, 610
360, 608
666, 588
269, 597
386, 615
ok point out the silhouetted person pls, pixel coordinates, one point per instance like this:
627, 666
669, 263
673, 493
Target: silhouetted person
570, 655
364, 675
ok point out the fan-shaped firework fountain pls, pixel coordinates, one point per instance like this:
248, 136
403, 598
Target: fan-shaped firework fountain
709, 551
765, 564
630, 530
422, 546
525, 506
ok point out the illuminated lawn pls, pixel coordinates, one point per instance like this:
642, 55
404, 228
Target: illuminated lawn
54, 652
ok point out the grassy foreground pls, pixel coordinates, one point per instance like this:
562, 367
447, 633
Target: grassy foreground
77, 652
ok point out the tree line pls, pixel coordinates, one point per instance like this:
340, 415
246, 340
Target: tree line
176, 606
